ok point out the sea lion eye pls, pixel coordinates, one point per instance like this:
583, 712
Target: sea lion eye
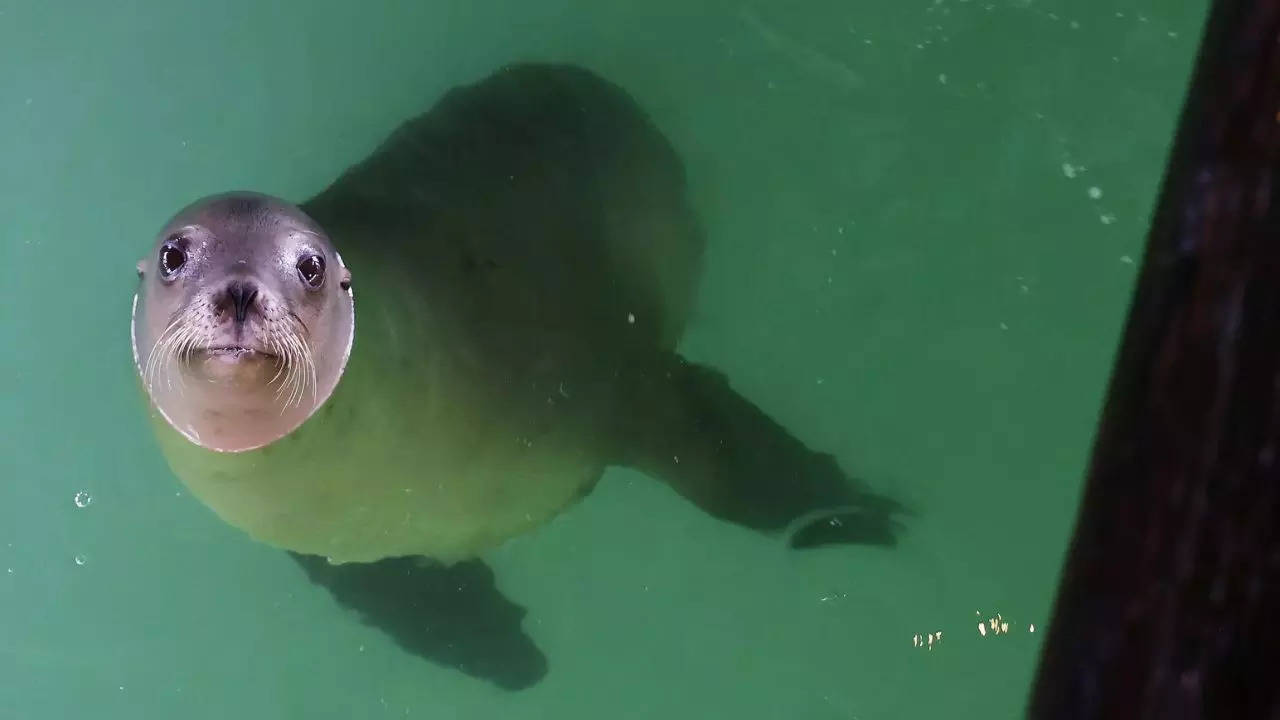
311, 270
172, 258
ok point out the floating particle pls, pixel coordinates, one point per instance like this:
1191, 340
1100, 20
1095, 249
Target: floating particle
942, 78
1126, 259
1069, 170
631, 318
81, 559
82, 499
1107, 218
1095, 192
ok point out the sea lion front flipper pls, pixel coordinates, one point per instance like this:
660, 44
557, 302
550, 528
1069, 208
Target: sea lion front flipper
450, 615
687, 426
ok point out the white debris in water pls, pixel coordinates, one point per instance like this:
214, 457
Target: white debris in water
1075, 25
1031, 628
1095, 192
927, 640
1126, 259
1173, 35
982, 629
1069, 170
1107, 218
82, 499
631, 318
81, 559
1004, 326
942, 78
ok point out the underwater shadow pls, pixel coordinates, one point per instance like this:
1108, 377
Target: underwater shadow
451, 616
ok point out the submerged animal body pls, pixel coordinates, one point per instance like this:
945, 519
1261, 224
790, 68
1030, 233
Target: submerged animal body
449, 344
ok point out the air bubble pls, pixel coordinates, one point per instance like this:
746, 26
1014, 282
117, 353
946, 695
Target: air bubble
82, 499
81, 559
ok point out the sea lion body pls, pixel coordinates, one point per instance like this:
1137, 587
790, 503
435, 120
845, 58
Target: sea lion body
520, 263
515, 251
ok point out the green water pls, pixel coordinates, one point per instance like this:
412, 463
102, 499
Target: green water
923, 223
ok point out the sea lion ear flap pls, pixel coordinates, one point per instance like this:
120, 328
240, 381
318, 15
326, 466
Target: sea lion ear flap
345, 281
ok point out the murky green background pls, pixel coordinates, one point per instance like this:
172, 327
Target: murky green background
923, 219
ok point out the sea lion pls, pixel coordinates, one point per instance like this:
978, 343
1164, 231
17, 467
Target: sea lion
449, 344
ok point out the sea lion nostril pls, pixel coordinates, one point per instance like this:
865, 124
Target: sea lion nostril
242, 294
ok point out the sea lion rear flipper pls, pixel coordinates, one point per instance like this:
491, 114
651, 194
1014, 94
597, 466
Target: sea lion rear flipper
688, 427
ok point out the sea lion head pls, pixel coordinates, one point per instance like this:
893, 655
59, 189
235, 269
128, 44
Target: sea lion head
243, 320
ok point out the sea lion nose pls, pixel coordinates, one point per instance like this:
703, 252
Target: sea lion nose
241, 293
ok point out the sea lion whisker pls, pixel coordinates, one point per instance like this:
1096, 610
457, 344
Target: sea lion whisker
303, 361
310, 365
156, 351
175, 353
158, 357
291, 379
273, 346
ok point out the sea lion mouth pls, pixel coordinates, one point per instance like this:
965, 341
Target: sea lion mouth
236, 352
